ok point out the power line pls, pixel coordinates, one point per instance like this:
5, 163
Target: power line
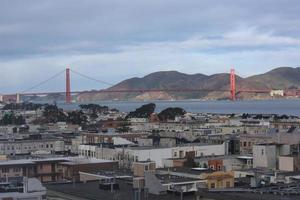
43, 82
91, 78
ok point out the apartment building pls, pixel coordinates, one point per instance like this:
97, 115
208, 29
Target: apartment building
52, 169
127, 156
22, 189
266, 155
26, 146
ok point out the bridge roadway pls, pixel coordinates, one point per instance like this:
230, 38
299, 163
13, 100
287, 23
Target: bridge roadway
145, 90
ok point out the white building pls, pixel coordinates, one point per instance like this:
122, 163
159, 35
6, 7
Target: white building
277, 93
11, 147
126, 156
266, 155
32, 189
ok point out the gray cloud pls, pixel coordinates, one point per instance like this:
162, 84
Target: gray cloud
115, 39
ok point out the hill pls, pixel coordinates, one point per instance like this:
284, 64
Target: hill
279, 78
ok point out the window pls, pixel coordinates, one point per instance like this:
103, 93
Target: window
175, 154
245, 144
212, 185
227, 184
219, 167
262, 152
16, 169
5, 170
146, 168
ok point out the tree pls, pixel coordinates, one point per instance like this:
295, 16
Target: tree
94, 115
171, 113
142, 112
12, 119
76, 117
123, 127
53, 114
94, 108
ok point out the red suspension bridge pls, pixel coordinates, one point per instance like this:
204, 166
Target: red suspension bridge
233, 90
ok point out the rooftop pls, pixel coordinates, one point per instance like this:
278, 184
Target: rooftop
90, 190
64, 160
180, 145
80, 160
169, 179
193, 171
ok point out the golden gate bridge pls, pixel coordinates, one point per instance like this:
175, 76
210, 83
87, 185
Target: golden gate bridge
233, 90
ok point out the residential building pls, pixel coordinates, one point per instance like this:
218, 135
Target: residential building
266, 155
26, 146
53, 169
139, 168
219, 180
22, 189
128, 155
289, 163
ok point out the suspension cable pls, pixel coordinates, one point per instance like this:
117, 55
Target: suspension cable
43, 82
91, 78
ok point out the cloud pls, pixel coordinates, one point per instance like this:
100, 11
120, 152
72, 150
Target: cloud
239, 39
194, 55
113, 40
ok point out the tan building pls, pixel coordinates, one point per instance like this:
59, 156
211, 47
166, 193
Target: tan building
283, 125
70, 169
219, 180
289, 163
53, 169
248, 140
16, 168
139, 168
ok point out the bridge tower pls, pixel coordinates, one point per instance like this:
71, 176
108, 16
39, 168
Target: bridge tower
232, 85
68, 86
18, 99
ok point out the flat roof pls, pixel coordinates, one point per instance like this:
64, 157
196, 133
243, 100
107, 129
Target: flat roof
63, 160
167, 179
16, 162
245, 157
90, 190
181, 145
80, 161
194, 171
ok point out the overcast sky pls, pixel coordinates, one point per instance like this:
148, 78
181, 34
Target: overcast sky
112, 40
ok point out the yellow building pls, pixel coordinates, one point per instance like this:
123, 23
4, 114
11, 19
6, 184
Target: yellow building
219, 180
